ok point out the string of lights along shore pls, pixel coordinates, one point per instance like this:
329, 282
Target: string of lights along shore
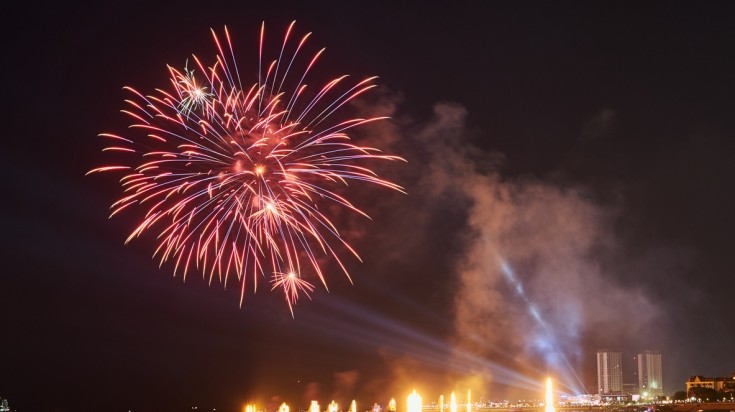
611, 389
414, 403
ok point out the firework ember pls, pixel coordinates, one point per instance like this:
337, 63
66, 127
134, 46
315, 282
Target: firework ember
239, 180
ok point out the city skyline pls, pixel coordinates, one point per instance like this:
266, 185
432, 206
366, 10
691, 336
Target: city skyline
647, 373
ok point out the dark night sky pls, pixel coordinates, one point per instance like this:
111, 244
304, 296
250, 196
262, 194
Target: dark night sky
588, 145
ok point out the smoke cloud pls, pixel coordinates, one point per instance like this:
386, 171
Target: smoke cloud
535, 262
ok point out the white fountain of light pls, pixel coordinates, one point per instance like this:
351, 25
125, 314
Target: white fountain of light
549, 397
414, 402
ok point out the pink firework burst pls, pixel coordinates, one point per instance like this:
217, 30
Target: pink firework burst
237, 180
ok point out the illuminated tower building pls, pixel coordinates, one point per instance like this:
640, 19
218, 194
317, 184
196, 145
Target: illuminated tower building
609, 372
650, 377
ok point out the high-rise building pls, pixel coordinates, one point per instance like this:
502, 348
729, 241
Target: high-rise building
630, 388
650, 377
609, 372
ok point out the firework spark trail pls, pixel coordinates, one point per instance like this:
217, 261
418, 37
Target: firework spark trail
237, 181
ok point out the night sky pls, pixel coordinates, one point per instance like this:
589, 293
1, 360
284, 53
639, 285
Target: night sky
569, 185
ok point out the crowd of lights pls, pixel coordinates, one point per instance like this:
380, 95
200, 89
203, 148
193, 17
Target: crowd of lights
414, 403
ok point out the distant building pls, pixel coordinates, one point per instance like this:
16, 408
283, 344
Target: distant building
720, 384
650, 375
630, 388
609, 372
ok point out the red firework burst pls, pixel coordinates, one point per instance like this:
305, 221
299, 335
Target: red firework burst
236, 180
